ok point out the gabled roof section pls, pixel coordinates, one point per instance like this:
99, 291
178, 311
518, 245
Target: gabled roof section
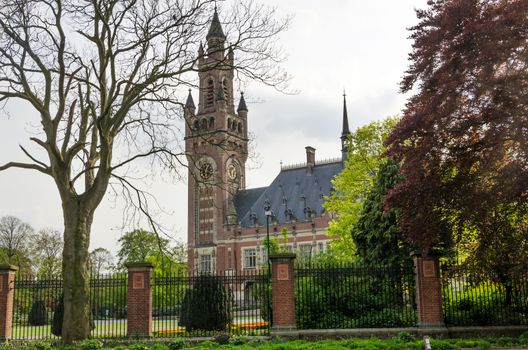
293, 194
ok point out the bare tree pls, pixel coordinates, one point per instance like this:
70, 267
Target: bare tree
14, 236
100, 260
46, 253
103, 77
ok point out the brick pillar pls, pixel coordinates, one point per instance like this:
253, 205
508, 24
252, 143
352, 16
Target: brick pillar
7, 291
283, 291
428, 292
139, 301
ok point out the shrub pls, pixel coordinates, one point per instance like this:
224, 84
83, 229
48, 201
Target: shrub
90, 344
58, 317
177, 344
38, 315
206, 306
222, 338
405, 337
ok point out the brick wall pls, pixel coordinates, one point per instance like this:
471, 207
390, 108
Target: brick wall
283, 291
428, 292
7, 283
139, 307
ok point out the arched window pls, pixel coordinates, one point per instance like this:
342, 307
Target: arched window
203, 124
226, 89
211, 122
196, 125
240, 127
209, 93
229, 123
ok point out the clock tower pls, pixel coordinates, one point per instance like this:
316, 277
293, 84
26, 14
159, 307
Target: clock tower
216, 145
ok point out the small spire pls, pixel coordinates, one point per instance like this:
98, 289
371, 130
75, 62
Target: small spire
190, 101
346, 130
242, 104
215, 31
201, 50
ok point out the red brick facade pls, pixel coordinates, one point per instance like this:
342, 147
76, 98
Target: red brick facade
283, 291
428, 292
7, 281
139, 300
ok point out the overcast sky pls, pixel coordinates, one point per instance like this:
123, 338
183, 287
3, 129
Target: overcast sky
357, 45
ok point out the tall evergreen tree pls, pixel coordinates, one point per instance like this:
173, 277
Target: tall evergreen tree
377, 233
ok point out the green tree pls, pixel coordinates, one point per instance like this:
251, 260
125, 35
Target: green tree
14, 238
377, 234
351, 186
140, 245
46, 253
101, 260
102, 80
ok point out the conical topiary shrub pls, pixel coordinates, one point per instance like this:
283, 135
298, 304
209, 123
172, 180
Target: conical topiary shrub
38, 315
206, 306
58, 317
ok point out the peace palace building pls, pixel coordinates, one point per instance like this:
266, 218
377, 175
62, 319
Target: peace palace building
227, 222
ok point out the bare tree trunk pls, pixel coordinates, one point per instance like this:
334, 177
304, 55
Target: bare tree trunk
77, 224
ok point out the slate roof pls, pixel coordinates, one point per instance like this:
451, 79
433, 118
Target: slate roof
293, 191
215, 30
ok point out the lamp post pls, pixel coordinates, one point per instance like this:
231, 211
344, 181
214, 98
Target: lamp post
268, 213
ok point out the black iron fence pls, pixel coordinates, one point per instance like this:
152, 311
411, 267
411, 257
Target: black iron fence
37, 303
473, 298
353, 296
204, 305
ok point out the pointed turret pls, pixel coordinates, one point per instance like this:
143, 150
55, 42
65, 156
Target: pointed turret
215, 37
215, 31
345, 131
242, 104
190, 102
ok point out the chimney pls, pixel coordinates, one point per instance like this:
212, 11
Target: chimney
310, 159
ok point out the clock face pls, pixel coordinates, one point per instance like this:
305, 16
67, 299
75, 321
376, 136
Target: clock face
206, 171
232, 172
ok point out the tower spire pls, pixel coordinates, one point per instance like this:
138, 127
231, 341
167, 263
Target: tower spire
345, 130
215, 30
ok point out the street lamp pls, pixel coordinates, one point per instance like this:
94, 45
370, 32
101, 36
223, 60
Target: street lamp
268, 213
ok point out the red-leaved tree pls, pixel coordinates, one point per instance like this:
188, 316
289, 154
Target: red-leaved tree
462, 141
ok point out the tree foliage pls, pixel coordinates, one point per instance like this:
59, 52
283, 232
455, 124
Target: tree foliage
351, 186
102, 79
462, 141
14, 238
141, 245
377, 234
38, 314
207, 305
46, 253
101, 260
